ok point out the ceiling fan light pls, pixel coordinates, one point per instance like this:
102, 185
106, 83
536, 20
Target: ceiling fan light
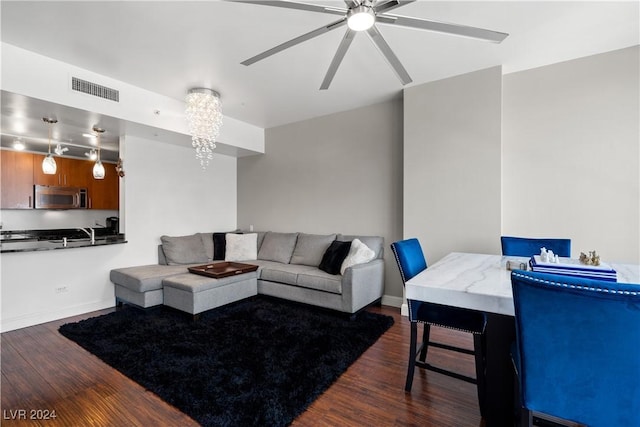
49, 166
361, 18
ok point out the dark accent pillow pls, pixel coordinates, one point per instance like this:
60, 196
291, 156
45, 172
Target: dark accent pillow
334, 256
219, 246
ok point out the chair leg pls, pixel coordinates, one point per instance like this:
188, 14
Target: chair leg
479, 353
412, 356
425, 342
526, 418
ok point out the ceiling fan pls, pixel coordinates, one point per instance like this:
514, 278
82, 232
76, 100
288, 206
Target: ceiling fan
362, 16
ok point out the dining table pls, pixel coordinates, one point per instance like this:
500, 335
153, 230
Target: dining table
482, 282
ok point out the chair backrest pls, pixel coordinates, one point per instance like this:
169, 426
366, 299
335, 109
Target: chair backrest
409, 256
579, 348
524, 246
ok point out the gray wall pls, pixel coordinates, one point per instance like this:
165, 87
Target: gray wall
452, 164
571, 138
339, 173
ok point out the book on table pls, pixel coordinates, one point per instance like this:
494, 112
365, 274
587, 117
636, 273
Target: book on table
573, 267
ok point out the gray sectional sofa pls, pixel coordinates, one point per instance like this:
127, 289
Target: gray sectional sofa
293, 266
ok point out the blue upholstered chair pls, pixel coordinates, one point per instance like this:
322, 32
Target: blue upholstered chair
578, 349
524, 246
411, 261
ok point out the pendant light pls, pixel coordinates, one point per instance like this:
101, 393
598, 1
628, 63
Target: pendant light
98, 167
49, 163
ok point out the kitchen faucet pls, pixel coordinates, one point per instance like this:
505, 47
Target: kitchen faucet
91, 233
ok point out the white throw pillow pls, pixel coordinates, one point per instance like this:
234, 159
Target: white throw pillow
241, 247
358, 254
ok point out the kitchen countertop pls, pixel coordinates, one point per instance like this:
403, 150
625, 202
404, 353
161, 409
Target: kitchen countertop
44, 240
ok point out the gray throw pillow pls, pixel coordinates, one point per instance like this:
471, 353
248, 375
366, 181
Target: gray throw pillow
207, 241
184, 249
310, 248
278, 247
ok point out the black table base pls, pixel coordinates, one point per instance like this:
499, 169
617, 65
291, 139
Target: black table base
500, 391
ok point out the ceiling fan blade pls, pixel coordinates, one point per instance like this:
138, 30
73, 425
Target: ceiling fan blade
337, 59
391, 57
295, 41
351, 3
442, 27
294, 5
390, 5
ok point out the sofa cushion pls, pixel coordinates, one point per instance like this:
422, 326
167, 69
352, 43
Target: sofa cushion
207, 241
261, 235
283, 273
183, 249
145, 278
359, 253
241, 247
278, 247
376, 243
334, 256
310, 248
320, 280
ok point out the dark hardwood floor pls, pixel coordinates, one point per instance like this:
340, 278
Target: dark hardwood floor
43, 371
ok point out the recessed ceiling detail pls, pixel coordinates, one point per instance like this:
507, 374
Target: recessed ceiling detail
362, 16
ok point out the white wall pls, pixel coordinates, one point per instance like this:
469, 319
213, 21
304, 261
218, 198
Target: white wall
164, 192
171, 194
340, 173
452, 164
571, 154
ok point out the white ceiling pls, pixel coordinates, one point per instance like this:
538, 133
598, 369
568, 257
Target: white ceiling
169, 47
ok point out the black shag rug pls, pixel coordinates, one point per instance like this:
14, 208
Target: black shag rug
260, 361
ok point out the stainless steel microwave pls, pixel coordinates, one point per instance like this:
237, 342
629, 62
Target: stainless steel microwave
48, 197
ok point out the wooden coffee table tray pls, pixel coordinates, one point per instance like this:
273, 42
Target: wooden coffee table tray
222, 269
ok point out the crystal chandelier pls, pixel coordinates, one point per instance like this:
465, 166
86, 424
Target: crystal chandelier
204, 115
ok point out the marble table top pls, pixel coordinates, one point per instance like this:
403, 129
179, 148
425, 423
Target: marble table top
480, 282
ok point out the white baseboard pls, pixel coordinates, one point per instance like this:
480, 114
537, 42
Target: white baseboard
392, 301
396, 302
49, 316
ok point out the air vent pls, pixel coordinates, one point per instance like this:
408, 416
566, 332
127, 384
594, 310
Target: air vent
94, 89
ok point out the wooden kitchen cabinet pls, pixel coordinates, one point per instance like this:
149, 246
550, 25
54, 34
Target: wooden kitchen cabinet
78, 173
20, 171
17, 180
105, 193
69, 172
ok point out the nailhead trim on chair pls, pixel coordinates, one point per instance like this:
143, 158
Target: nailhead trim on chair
409, 305
585, 288
449, 327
